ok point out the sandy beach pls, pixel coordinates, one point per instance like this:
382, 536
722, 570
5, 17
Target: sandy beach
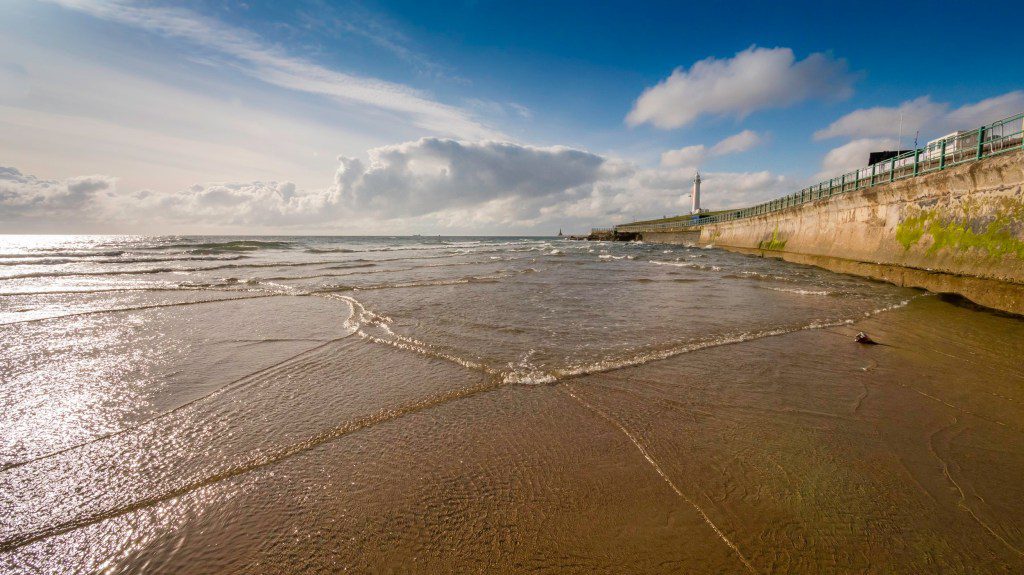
217, 429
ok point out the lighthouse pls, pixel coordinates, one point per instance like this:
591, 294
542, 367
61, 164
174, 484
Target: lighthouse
695, 195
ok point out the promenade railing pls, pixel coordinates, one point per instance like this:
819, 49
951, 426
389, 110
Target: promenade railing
989, 140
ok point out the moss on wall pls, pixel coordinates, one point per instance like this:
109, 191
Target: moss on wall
995, 235
773, 244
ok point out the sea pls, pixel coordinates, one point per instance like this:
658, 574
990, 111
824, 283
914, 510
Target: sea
212, 404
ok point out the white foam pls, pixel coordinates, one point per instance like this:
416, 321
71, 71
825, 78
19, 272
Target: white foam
674, 264
801, 291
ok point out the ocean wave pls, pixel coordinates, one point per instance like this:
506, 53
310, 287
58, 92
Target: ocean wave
416, 284
329, 251
116, 272
56, 253
376, 327
799, 291
673, 280
91, 274
40, 261
675, 264
758, 276
131, 260
230, 246
86, 291
352, 265
642, 357
527, 376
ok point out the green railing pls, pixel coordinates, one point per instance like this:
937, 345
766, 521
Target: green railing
990, 140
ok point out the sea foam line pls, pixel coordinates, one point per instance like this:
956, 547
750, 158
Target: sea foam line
527, 374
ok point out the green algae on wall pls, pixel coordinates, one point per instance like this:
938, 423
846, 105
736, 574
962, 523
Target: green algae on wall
996, 236
773, 244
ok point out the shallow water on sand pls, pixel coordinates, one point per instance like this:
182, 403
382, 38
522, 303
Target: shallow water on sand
211, 404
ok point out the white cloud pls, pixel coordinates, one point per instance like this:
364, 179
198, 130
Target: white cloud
419, 177
693, 156
986, 111
163, 114
745, 140
754, 79
885, 121
875, 129
852, 155
27, 196
428, 184
523, 111
922, 114
690, 156
274, 66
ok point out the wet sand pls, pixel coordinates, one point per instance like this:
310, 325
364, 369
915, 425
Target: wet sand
503, 407
799, 453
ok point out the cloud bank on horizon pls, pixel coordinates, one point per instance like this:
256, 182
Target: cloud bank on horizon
431, 183
211, 127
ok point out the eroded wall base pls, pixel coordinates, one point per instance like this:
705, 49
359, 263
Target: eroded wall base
1000, 295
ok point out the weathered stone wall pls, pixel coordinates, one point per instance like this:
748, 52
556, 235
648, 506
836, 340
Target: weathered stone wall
965, 222
691, 237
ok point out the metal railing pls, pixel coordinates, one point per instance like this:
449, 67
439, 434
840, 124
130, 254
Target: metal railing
958, 148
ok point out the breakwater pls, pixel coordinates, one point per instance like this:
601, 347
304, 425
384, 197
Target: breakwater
955, 230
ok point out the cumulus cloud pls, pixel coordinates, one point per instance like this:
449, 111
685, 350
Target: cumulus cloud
873, 129
685, 156
692, 156
427, 184
986, 111
745, 140
28, 196
922, 114
419, 177
754, 79
852, 155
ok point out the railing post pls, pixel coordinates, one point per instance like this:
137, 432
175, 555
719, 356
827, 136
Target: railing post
856, 179
842, 184
917, 156
981, 142
942, 156
872, 175
892, 169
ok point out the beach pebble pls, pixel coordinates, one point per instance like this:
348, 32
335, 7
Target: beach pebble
863, 338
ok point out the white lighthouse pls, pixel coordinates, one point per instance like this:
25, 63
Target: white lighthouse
695, 195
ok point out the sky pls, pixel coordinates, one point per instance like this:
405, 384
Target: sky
467, 118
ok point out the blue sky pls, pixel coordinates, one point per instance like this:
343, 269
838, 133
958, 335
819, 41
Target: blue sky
466, 117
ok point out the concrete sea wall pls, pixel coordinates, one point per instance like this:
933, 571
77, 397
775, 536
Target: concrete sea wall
959, 231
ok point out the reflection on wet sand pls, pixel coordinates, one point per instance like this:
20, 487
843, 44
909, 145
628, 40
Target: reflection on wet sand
442, 428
